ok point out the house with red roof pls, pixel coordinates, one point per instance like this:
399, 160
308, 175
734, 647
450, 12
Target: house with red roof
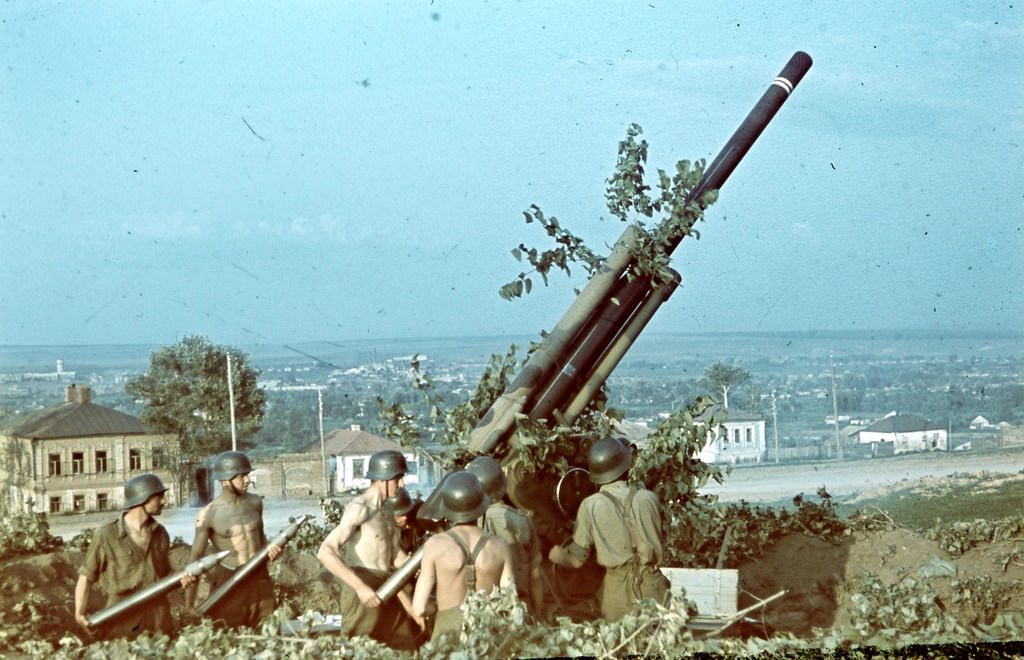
76, 455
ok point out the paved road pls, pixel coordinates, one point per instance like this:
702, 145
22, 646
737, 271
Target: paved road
765, 483
181, 522
773, 483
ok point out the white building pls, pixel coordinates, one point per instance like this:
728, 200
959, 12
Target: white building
900, 434
740, 439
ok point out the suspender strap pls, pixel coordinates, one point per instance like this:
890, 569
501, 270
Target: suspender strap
470, 557
627, 519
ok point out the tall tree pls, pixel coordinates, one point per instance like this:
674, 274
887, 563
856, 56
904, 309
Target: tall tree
722, 377
186, 393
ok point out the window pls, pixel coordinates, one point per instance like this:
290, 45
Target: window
78, 503
54, 467
77, 462
55, 504
159, 462
357, 468
102, 501
101, 461
134, 459
750, 436
736, 436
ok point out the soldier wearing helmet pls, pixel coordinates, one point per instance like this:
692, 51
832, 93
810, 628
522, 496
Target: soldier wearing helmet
461, 560
363, 551
404, 509
126, 555
234, 522
622, 523
515, 528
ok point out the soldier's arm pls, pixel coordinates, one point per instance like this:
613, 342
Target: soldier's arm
508, 576
329, 554
425, 582
82, 588
199, 543
273, 550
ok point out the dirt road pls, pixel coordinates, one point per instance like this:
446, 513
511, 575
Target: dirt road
771, 483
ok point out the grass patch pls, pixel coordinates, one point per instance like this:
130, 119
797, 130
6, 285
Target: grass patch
956, 498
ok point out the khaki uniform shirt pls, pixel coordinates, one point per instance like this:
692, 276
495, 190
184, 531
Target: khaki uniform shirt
599, 525
517, 529
120, 566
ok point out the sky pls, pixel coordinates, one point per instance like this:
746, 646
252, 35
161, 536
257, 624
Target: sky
288, 172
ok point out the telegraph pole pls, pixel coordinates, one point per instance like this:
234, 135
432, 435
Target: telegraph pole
323, 448
231, 401
835, 410
775, 427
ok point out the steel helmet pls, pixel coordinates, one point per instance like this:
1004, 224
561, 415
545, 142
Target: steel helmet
463, 499
400, 502
609, 459
386, 464
139, 489
230, 464
491, 477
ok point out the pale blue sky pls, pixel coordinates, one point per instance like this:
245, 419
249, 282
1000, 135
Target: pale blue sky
286, 172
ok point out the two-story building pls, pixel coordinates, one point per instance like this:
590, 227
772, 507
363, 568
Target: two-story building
76, 455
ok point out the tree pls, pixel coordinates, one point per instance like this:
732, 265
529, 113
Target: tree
722, 377
186, 393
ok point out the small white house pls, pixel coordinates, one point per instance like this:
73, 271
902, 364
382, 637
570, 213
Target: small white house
348, 452
900, 434
740, 439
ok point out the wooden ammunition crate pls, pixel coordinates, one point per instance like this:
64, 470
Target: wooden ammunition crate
715, 591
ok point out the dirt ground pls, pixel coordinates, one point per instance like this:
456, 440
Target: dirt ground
819, 579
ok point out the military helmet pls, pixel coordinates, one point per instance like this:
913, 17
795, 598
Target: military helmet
490, 475
463, 499
401, 502
609, 459
386, 464
139, 489
230, 464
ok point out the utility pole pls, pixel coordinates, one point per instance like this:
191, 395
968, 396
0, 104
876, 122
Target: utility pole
775, 427
231, 401
323, 447
835, 410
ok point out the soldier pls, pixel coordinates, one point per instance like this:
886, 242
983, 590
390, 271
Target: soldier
404, 508
449, 563
234, 522
515, 527
363, 550
126, 555
622, 522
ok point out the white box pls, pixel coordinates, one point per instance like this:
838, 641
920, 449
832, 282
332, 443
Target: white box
715, 591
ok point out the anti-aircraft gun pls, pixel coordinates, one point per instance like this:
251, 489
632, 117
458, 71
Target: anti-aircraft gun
570, 365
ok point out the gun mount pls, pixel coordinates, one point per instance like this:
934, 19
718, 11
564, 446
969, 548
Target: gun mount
572, 362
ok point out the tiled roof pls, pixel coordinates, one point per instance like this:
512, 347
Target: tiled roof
901, 424
73, 419
346, 442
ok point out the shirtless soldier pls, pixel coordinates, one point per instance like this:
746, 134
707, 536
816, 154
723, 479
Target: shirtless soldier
516, 528
622, 522
126, 555
363, 551
463, 559
234, 522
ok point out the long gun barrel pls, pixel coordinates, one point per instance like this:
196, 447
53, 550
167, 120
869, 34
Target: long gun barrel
569, 366
498, 422
169, 583
248, 567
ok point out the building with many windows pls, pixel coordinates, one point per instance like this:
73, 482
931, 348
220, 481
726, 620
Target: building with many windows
76, 455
